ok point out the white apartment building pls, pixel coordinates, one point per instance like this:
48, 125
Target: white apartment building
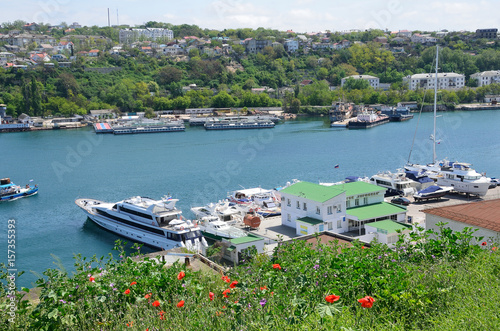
446, 81
291, 45
131, 35
374, 81
486, 77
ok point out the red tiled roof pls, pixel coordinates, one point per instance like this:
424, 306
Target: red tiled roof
484, 214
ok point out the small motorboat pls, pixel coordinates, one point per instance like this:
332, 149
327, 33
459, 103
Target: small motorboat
432, 192
10, 191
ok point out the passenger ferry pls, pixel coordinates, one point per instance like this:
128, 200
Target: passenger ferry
156, 223
241, 123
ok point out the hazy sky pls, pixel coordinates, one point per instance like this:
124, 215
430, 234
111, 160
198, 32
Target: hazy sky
298, 15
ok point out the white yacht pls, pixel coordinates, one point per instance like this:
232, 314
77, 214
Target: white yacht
212, 225
396, 183
223, 210
460, 176
155, 223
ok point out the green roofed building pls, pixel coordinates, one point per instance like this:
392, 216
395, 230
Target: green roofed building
341, 208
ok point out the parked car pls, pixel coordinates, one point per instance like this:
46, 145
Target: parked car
401, 201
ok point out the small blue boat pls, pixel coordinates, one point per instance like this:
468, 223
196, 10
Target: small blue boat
10, 191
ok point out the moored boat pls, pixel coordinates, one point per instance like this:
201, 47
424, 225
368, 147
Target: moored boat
432, 192
213, 225
156, 223
367, 120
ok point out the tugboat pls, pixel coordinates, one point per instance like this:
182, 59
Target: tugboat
10, 191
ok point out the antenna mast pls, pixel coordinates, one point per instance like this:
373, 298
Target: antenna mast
435, 108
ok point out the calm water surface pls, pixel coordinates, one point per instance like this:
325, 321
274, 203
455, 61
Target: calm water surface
198, 167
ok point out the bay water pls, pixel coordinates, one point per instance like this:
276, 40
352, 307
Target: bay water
198, 167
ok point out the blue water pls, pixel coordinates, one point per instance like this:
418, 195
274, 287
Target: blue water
198, 167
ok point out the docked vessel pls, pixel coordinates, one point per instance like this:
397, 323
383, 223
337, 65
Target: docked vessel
458, 175
239, 123
149, 126
10, 191
213, 225
432, 192
156, 223
367, 120
400, 114
396, 183
340, 112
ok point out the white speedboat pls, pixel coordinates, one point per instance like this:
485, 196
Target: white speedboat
224, 210
155, 223
460, 176
214, 226
432, 192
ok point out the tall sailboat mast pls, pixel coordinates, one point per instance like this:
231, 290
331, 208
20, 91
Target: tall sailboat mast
435, 109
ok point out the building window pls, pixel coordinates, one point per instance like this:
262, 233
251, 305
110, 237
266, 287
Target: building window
339, 224
298, 204
365, 201
356, 202
394, 217
305, 206
339, 208
288, 218
288, 203
329, 210
348, 204
318, 211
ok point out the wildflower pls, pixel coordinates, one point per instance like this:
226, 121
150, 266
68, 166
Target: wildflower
180, 304
218, 313
133, 283
433, 256
211, 296
233, 284
263, 288
494, 249
115, 289
130, 324
161, 313
225, 292
484, 243
156, 303
62, 301
181, 275
223, 307
332, 298
127, 291
147, 296
92, 279
249, 306
366, 302
226, 279
263, 302
276, 266
236, 301
316, 267
363, 247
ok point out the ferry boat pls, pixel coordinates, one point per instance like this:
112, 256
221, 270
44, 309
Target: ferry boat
367, 120
149, 127
10, 191
156, 223
241, 123
458, 175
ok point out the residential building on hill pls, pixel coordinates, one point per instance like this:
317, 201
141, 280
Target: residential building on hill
374, 81
446, 81
127, 36
486, 77
487, 33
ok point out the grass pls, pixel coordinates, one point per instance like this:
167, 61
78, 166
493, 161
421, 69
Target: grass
445, 283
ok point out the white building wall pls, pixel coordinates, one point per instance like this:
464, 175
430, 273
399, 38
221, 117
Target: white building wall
432, 220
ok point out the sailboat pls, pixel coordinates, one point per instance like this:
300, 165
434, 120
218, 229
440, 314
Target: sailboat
458, 175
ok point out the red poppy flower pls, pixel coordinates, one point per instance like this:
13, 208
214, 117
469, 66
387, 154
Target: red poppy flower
156, 303
226, 279
161, 313
180, 304
233, 284
133, 283
276, 266
363, 247
236, 301
130, 324
211, 296
263, 288
218, 313
484, 243
147, 296
127, 291
494, 248
225, 292
366, 302
332, 298
92, 279
223, 307
181, 275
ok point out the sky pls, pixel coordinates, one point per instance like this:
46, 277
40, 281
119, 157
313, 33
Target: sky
298, 15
